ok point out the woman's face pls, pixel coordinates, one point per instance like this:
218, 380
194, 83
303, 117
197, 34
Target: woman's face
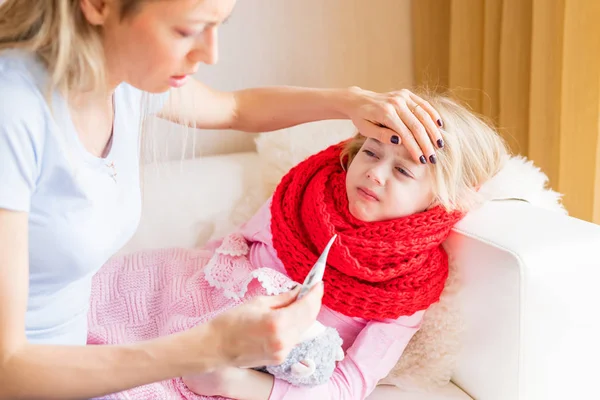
162, 42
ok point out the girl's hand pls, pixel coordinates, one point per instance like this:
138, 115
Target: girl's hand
262, 331
232, 382
397, 117
213, 383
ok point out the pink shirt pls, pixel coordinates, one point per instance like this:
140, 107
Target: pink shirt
372, 347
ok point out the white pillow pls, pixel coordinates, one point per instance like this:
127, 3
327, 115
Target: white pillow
281, 150
185, 201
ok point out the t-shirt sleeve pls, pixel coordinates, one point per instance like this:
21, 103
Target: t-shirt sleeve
21, 135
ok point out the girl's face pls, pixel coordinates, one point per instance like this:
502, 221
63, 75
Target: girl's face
162, 43
384, 183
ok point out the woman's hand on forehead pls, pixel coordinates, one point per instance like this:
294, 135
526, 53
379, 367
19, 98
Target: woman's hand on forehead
400, 117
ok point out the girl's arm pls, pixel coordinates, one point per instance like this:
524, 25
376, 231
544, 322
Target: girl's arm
372, 356
277, 107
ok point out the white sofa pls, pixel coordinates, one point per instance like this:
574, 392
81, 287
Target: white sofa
530, 290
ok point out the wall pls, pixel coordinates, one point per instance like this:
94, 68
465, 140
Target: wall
314, 43
320, 43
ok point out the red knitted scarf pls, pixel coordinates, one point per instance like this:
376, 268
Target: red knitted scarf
375, 270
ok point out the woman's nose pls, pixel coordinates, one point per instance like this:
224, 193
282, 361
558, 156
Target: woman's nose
207, 49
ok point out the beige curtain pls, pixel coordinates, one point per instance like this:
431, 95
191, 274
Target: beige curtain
533, 66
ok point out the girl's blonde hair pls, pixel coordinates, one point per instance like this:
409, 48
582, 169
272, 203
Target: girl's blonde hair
58, 32
473, 153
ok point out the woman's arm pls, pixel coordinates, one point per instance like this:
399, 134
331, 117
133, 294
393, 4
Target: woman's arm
372, 356
272, 108
257, 333
61, 372
251, 110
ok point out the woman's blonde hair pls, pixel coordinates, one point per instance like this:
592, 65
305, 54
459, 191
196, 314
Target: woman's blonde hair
473, 153
58, 32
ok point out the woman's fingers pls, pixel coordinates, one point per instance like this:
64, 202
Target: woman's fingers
292, 321
303, 313
427, 133
400, 118
433, 114
264, 330
283, 299
395, 132
430, 118
378, 131
423, 148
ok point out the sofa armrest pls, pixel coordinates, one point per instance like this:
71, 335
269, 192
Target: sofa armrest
530, 295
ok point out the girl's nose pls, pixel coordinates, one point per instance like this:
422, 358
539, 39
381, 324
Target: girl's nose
376, 176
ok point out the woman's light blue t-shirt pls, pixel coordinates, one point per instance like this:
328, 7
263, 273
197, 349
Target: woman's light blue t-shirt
82, 209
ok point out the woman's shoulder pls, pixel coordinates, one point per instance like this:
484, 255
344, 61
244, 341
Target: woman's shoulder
21, 85
23, 69
23, 132
22, 104
17, 58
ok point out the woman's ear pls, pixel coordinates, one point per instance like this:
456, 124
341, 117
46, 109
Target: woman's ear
96, 11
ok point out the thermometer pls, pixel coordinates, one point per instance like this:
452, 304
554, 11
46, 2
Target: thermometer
316, 273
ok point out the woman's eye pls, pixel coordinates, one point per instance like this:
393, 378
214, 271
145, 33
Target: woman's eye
186, 33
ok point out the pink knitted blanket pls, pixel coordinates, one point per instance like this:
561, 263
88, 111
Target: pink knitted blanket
155, 293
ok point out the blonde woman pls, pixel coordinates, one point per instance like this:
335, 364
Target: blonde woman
73, 76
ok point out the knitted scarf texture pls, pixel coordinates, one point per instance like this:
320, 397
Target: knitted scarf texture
375, 270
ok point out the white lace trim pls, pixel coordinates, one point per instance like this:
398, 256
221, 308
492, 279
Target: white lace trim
272, 281
230, 270
234, 244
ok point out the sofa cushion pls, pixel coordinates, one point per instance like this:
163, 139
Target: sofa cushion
166, 141
184, 201
447, 392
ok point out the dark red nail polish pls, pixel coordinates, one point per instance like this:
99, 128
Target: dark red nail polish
440, 143
395, 139
423, 160
439, 122
432, 159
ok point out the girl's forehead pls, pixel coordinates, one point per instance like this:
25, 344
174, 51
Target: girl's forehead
398, 151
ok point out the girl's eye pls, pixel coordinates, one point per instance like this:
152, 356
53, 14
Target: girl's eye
403, 172
369, 153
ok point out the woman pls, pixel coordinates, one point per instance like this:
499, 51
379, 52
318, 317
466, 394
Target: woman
73, 74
